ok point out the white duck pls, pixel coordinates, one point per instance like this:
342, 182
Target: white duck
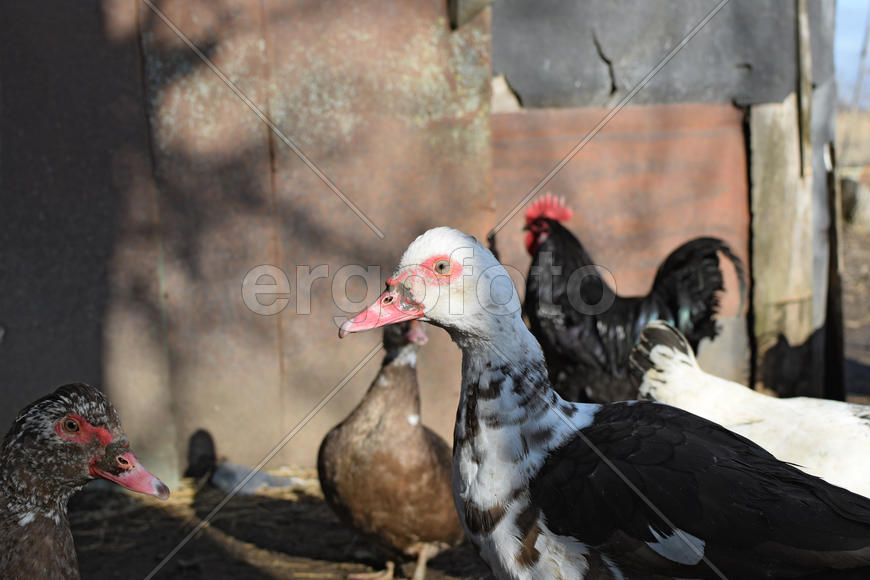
829, 439
548, 489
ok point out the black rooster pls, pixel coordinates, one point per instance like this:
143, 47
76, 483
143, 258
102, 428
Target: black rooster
585, 329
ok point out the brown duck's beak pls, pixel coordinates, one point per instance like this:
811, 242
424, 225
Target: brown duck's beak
120, 465
391, 307
416, 333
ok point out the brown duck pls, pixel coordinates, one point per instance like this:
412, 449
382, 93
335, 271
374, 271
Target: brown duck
56, 445
383, 472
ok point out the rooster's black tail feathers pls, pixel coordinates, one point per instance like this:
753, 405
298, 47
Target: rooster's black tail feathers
689, 281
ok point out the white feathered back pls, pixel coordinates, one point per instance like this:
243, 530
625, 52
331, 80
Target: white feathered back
829, 439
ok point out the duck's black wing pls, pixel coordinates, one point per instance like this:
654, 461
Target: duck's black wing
737, 510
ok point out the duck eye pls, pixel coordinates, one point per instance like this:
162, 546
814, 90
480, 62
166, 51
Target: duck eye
70, 426
442, 267
388, 299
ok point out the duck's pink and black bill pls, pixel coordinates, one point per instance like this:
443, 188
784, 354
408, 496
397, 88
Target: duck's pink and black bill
127, 471
390, 307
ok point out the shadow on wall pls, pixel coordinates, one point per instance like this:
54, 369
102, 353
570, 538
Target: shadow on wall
218, 194
141, 191
65, 110
113, 233
787, 369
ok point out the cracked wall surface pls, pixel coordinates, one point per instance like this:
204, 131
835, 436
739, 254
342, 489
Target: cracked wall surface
571, 54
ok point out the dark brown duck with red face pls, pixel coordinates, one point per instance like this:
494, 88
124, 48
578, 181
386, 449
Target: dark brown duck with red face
56, 445
385, 474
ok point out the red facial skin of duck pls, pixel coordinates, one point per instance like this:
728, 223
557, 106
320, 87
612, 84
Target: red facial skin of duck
117, 464
396, 303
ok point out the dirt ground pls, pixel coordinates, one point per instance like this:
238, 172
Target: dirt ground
291, 533
278, 533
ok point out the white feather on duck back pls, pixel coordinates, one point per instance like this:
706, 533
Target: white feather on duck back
828, 439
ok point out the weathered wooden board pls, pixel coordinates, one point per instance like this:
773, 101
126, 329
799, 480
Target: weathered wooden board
782, 243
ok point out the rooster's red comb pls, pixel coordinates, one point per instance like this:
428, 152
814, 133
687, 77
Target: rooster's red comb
549, 206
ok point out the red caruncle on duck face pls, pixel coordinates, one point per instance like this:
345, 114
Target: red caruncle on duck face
75, 428
440, 270
405, 294
110, 456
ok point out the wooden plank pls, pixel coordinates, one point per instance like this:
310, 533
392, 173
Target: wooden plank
805, 86
79, 259
782, 247
835, 353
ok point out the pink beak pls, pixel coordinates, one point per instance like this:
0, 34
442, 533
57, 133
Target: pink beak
416, 334
127, 471
390, 307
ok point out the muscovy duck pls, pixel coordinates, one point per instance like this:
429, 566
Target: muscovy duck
585, 329
55, 446
830, 439
552, 489
383, 472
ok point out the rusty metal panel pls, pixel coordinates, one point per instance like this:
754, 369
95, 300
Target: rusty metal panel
653, 178
216, 219
394, 107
